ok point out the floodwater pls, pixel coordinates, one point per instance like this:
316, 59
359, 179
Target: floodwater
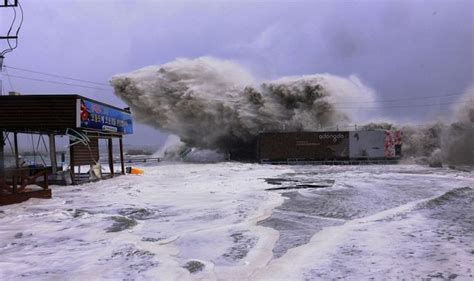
233, 221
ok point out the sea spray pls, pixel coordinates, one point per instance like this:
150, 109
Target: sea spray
443, 142
214, 104
217, 104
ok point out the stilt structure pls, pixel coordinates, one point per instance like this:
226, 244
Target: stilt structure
52, 154
2, 155
111, 156
122, 165
15, 144
85, 121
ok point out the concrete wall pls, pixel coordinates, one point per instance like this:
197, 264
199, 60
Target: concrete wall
366, 144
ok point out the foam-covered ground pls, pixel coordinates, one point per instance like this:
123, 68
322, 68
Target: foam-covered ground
218, 222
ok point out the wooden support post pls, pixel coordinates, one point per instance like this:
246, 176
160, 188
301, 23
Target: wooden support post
111, 157
17, 161
15, 144
2, 156
122, 164
71, 163
52, 154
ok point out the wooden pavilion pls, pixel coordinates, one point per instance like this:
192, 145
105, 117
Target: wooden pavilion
83, 120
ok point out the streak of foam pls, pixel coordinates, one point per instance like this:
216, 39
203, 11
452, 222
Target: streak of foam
324, 245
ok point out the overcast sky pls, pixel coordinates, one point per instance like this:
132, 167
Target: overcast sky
398, 48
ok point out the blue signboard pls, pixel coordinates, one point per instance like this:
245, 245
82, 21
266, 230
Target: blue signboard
104, 118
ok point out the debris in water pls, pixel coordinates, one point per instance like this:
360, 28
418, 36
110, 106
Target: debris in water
194, 266
121, 223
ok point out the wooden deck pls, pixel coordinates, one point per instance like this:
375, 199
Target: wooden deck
20, 184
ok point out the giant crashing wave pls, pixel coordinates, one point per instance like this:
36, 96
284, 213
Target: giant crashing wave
442, 142
218, 105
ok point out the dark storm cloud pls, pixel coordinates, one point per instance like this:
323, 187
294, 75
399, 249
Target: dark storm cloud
399, 48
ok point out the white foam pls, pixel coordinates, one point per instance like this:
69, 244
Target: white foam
190, 212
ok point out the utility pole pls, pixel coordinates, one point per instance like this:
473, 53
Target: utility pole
1, 70
6, 4
2, 156
2, 142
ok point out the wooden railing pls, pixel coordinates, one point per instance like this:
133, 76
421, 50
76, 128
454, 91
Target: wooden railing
16, 180
135, 160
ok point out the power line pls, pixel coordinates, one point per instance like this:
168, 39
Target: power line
9, 30
374, 107
19, 27
60, 83
403, 106
56, 75
335, 103
407, 99
393, 124
355, 102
